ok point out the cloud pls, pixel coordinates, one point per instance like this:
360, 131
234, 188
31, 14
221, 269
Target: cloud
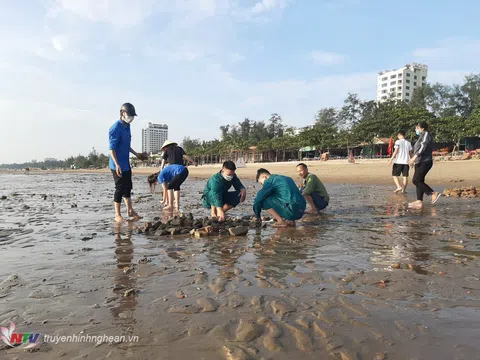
236, 57
60, 42
326, 58
268, 5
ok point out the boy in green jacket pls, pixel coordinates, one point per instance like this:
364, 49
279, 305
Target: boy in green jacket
216, 196
279, 197
313, 190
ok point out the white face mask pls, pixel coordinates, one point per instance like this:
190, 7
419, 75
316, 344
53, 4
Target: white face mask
128, 119
227, 177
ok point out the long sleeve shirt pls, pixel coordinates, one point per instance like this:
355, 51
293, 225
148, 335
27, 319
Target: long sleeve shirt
217, 186
313, 184
423, 148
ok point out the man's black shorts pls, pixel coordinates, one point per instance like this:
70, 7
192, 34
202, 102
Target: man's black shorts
400, 170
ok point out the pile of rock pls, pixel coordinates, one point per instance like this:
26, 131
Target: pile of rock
464, 192
200, 227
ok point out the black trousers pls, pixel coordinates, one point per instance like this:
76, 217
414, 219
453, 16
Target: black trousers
123, 185
178, 180
421, 171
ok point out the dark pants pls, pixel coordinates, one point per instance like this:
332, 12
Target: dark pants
318, 201
177, 180
421, 170
123, 185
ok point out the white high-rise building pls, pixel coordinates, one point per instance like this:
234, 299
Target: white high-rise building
153, 137
399, 84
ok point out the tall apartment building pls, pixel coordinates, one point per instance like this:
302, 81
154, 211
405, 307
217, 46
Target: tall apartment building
399, 84
153, 137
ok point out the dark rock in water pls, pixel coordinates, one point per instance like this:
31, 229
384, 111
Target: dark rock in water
4, 197
207, 222
177, 222
156, 218
25, 207
190, 216
161, 232
185, 231
188, 223
222, 231
44, 197
86, 238
198, 223
155, 226
163, 226
130, 292
238, 231
87, 249
74, 206
139, 231
147, 226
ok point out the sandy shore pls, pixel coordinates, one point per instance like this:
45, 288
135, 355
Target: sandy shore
375, 172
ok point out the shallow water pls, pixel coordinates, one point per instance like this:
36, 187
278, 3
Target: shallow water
326, 289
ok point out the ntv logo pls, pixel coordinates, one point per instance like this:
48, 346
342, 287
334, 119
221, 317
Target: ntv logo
13, 339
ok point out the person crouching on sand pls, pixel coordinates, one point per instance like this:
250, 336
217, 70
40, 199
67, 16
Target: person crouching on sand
312, 190
171, 178
280, 198
216, 196
400, 158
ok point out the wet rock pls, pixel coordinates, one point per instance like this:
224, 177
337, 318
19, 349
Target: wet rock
180, 294
86, 238
185, 309
207, 304
218, 286
144, 260
177, 222
281, 307
161, 232
25, 207
128, 269
248, 331
257, 302
236, 300
74, 206
96, 306
155, 227
147, 226
200, 278
397, 266
235, 353
185, 231
3, 197
238, 230
129, 292
87, 249
237, 271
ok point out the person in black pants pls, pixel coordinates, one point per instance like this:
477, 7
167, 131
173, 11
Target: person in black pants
423, 161
119, 144
171, 178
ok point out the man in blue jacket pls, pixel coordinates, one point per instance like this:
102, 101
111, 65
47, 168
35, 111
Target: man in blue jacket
279, 197
120, 140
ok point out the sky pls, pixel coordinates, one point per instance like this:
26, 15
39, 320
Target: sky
66, 66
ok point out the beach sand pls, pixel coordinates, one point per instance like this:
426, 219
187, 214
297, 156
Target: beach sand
368, 279
375, 172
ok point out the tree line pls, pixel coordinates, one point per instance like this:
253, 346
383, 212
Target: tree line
453, 112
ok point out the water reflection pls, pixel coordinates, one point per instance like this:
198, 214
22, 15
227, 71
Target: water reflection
124, 279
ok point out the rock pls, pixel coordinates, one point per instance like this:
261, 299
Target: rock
397, 266
147, 226
248, 331
87, 249
129, 292
280, 307
207, 304
96, 306
200, 278
236, 300
218, 286
155, 226
144, 260
185, 231
177, 222
4, 197
238, 230
180, 294
235, 353
174, 231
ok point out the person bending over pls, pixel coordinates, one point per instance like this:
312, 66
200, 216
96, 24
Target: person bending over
280, 198
312, 190
171, 178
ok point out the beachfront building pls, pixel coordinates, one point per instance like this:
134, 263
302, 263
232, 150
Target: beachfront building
153, 137
399, 84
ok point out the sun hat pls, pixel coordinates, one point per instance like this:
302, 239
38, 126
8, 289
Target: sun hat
167, 143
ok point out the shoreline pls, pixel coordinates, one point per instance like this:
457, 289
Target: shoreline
365, 172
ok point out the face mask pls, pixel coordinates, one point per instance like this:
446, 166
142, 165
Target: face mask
417, 132
128, 119
227, 177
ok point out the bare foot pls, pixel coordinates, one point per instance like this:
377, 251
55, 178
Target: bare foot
134, 215
311, 211
177, 209
167, 207
416, 205
435, 197
290, 222
119, 219
280, 225
397, 190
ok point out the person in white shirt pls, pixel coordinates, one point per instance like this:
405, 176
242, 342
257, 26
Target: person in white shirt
400, 159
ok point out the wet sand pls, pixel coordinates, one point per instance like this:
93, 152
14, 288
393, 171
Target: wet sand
369, 279
368, 172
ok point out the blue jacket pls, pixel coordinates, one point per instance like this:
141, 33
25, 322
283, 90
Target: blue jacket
120, 140
169, 172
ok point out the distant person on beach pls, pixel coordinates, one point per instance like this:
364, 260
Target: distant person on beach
423, 161
171, 178
280, 197
216, 196
120, 142
174, 154
400, 158
312, 190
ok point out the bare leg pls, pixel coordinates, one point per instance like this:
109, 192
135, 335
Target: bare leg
397, 183
176, 194
118, 215
165, 195
130, 211
416, 204
405, 183
227, 207
170, 200
213, 212
280, 222
312, 209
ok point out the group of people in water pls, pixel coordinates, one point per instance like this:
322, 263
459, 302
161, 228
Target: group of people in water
280, 197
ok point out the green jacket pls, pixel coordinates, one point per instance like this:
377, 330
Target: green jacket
284, 189
217, 186
313, 184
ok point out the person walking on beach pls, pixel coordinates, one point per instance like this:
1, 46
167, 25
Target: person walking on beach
120, 149
312, 190
171, 178
423, 161
280, 198
174, 154
400, 158
216, 196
